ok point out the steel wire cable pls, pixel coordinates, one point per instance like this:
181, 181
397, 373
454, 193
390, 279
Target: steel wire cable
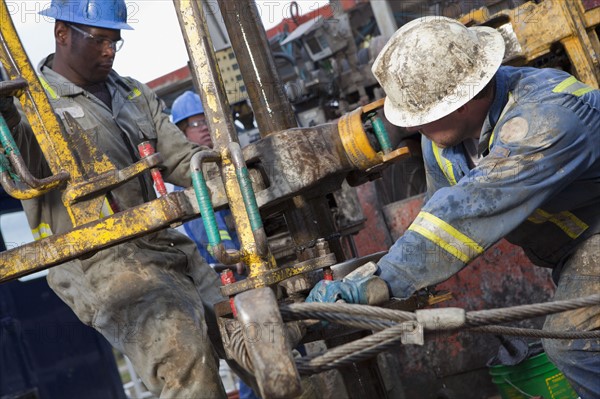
340, 318
515, 313
238, 346
372, 345
535, 333
352, 352
296, 309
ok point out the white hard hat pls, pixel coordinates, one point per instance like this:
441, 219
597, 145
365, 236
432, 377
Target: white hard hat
432, 66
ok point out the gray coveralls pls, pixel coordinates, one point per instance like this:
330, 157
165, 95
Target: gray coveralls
145, 295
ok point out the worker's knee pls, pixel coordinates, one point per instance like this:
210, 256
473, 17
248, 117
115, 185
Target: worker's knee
579, 361
558, 352
188, 373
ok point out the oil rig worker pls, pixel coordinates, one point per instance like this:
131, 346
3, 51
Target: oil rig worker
509, 153
152, 297
187, 113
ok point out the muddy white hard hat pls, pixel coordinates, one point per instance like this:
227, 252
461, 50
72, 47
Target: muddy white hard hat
432, 66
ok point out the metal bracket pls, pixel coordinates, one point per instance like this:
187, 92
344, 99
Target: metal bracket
412, 333
267, 344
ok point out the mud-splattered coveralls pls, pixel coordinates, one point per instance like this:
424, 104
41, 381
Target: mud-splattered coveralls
536, 184
151, 297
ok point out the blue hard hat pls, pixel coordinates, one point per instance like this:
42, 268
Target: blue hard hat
109, 14
186, 105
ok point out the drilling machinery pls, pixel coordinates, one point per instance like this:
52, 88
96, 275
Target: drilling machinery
290, 171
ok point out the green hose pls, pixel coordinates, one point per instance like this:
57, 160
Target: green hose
4, 164
7, 139
206, 209
249, 199
381, 134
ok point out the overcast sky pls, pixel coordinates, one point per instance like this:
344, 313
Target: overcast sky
153, 49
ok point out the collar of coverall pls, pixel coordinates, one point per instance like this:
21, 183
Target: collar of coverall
500, 100
64, 88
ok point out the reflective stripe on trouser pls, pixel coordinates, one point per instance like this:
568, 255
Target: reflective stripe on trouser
578, 359
146, 297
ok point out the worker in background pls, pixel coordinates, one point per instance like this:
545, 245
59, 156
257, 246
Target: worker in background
509, 152
151, 297
187, 113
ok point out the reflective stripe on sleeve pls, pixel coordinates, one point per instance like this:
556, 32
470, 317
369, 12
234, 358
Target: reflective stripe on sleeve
446, 237
48, 88
572, 86
444, 164
224, 235
106, 209
570, 224
42, 231
134, 93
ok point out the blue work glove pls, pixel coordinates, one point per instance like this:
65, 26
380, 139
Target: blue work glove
361, 286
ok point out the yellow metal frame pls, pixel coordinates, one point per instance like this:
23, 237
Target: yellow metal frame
205, 68
86, 182
86, 239
538, 27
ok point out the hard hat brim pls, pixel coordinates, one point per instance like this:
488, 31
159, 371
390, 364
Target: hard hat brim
493, 54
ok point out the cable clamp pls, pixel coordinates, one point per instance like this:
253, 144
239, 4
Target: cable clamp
412, 333
441, 319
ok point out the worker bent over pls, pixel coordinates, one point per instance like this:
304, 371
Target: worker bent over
509, 152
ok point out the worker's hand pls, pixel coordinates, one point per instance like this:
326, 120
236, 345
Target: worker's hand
9, 111
361, 286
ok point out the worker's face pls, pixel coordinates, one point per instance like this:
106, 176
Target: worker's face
196, 130
450, 130
91, 55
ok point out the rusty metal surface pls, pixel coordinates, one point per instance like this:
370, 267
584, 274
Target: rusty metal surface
375, 237
12, 87
83, 196
274, 276
400, 214
502, 276
42, 186
34, 100
537, 29
102, 183
308, 161
86, 239
271, 107
590, 4
18, 192
87, 173
258, 232
254, 249
296, 161
205, 72
267, 344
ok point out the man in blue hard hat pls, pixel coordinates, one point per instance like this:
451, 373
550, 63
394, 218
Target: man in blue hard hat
187, 113
151, 297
